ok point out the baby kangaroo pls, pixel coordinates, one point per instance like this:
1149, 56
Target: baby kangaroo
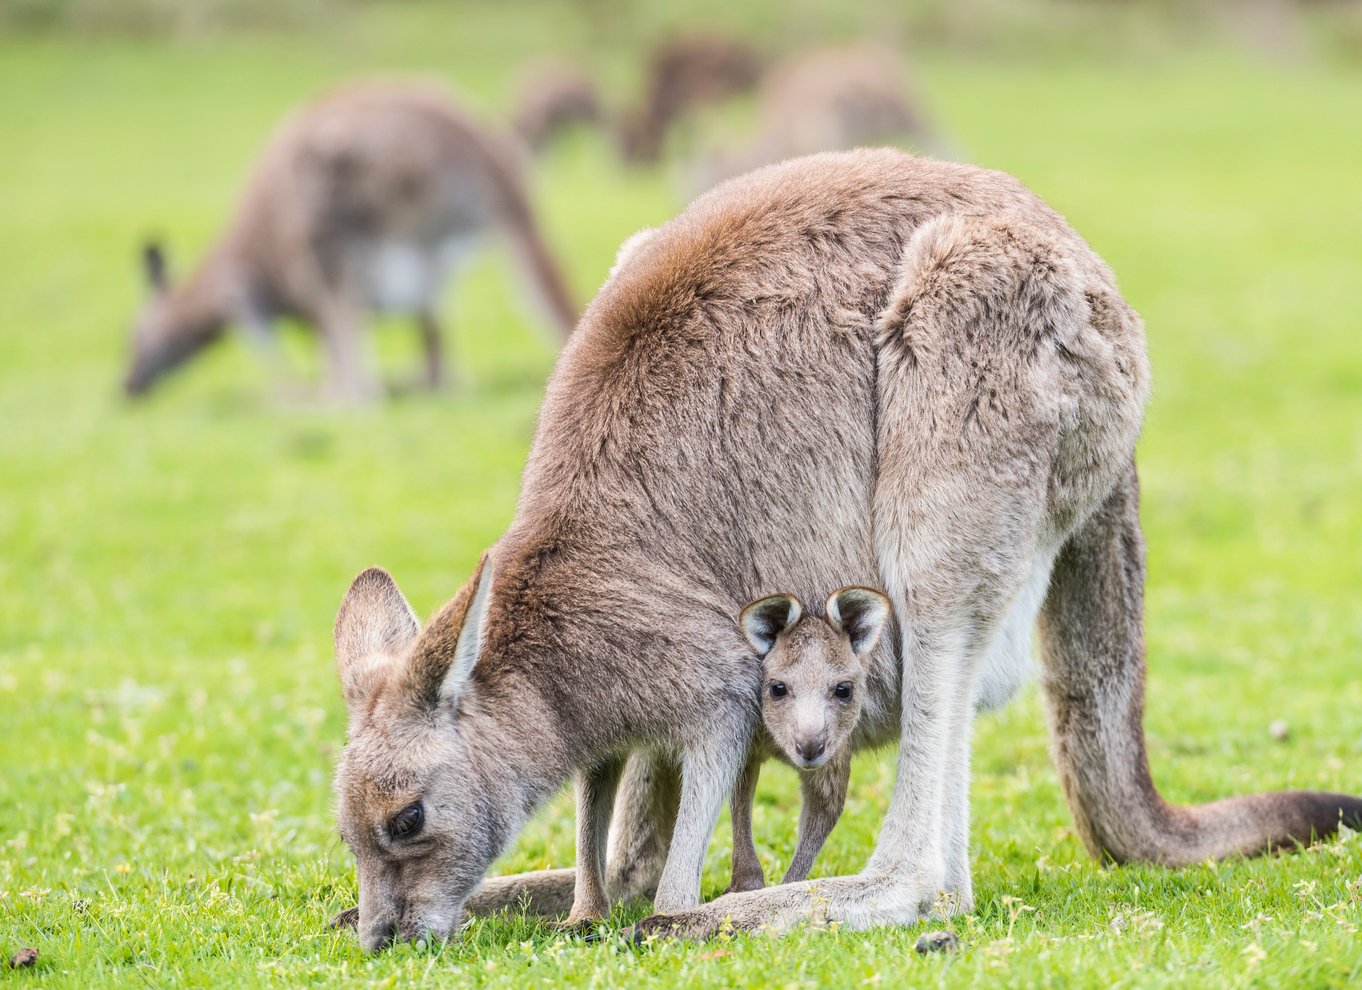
812, 680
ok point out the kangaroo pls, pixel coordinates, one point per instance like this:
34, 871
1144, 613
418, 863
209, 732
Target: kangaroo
827, 100
553, 98
857, 368
362, 201
810, 704
683, 74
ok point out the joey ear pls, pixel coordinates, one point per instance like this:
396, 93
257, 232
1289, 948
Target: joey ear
447, 651
154, 263
374, 622
861, 613
766, 618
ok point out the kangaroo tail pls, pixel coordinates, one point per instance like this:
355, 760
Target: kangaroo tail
545, 277
1092, 637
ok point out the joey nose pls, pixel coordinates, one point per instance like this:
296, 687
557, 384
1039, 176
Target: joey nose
811, 749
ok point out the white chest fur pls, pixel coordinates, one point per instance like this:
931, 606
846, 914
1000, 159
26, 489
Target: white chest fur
405, 276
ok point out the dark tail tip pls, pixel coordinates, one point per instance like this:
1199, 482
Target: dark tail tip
1320, 814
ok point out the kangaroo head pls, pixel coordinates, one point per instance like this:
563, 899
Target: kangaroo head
423, 800
813, 673
174, 324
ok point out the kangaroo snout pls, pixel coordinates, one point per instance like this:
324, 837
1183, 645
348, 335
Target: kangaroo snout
388, 930
136, 385
811, 750
378, 935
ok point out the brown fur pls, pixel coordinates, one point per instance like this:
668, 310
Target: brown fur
859, 368
361, 201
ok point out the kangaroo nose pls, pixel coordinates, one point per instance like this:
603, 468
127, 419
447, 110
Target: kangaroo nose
378, 937
811, 749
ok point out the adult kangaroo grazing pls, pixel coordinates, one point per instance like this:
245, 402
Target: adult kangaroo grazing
858, 368
362, 201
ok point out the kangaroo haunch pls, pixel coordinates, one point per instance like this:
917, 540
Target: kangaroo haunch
849, 369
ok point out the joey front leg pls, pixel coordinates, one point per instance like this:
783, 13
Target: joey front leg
747, 873
709, 771
595, 800
823, 794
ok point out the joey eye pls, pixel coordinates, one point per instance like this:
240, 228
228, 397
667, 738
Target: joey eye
843, 690
777, 689
407, 822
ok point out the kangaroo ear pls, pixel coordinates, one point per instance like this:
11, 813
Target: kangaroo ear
444, 656
860, 613
154, 263
374, 623
766, 618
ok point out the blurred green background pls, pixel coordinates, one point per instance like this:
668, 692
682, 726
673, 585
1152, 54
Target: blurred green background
169, 570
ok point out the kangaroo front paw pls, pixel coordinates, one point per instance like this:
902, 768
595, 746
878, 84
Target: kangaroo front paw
580, 927
347, 920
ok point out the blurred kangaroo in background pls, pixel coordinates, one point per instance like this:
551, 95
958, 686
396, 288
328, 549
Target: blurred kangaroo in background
681, 75
363, 201
813, 680
830, 100
553, 98
849, 369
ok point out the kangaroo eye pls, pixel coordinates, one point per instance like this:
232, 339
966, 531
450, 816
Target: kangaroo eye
777, 689
407, 822
843, 690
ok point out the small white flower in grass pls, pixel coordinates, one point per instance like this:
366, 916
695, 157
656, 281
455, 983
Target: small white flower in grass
1254, 954
1015, 908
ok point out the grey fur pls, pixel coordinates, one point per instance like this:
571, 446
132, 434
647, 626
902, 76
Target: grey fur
860, 368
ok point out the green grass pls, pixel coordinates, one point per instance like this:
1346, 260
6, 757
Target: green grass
168, 572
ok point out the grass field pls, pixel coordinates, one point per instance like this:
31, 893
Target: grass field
169, 571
